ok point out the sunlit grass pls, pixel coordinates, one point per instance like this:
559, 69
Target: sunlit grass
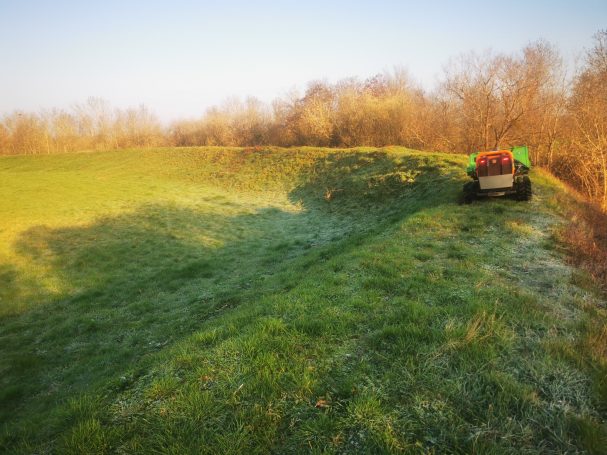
216, 300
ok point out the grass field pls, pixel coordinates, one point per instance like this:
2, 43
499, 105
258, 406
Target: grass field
224, 300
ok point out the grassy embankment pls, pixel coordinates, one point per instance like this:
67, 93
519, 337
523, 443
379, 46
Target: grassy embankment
221, 300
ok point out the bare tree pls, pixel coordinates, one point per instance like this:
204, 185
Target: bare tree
5, 140
312, 116
588, 113
27, 133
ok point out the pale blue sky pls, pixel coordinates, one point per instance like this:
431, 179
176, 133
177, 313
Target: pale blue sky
179, 57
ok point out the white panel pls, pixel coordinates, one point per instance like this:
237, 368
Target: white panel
496, 181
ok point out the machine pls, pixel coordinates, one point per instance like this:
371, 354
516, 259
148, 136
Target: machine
499, 173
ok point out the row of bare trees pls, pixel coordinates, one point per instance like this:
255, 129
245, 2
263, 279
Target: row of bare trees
483, 102
585, 132
93, 125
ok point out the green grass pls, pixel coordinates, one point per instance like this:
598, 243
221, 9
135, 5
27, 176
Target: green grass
309, 300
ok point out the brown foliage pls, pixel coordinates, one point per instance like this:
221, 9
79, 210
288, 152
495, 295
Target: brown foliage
585, 236
587, 122
89, 126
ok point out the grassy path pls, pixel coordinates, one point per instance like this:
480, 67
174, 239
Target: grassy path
226, 301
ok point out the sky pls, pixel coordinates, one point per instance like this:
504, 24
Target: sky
180, 57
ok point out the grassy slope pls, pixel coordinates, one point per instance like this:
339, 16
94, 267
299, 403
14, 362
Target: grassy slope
224, 300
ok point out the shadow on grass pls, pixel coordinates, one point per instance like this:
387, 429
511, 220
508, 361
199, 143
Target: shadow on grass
16, 289
130, 285
370, 179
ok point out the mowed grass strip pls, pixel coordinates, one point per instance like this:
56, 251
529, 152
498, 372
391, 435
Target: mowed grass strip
306, 300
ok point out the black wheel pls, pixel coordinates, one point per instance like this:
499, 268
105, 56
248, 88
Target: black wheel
470, 189
523, 189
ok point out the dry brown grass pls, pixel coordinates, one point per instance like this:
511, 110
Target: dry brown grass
585, 237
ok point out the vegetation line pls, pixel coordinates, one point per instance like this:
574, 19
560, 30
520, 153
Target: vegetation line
482, 102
